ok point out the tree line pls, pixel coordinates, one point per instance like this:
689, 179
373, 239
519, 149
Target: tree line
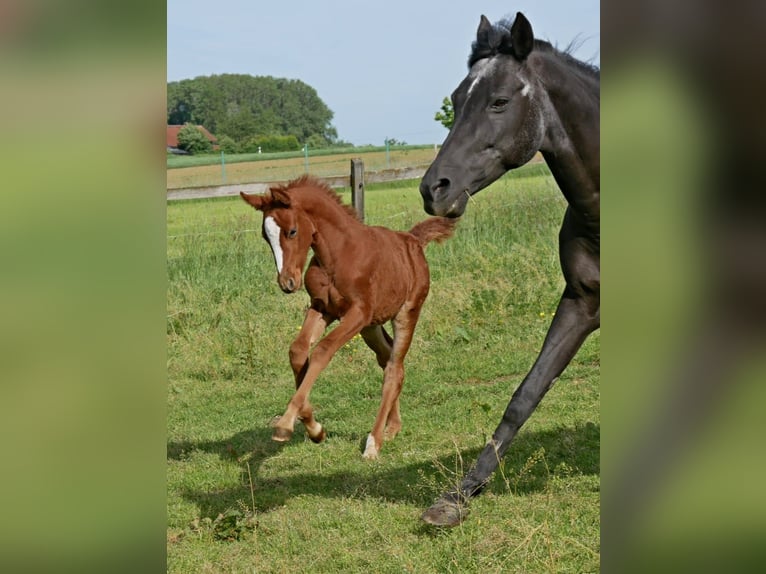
253, 113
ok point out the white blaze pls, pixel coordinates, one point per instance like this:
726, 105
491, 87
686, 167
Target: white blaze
484, 68
525, 90
272, 233
480, 69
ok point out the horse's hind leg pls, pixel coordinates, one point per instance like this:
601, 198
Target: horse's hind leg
393, 378
314, 325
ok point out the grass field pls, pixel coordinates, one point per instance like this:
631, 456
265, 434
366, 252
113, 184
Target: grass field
281, 167
238, 502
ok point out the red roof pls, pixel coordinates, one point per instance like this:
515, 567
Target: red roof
172, 135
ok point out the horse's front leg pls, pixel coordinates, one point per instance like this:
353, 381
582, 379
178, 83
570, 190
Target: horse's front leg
351, 324
313, 327
576, 317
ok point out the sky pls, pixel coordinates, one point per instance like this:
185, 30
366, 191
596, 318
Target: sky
383, 68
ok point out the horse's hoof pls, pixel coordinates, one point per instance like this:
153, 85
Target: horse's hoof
281, 435
445, 513
319, 437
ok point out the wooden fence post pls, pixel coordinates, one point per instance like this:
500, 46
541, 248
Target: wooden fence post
357, 186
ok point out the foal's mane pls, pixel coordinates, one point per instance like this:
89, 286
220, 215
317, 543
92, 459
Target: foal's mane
316, 185
499, 42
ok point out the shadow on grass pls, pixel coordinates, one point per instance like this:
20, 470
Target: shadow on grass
524, 471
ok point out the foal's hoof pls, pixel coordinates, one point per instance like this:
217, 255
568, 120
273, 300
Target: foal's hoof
445, 513
319, 437
371, 450
281, 435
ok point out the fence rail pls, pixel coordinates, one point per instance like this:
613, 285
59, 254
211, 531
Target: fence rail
381, 176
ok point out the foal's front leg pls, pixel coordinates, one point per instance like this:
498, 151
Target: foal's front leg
313, 327
351, 324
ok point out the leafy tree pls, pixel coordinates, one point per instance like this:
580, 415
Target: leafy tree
393, 142
191, 139
446, 115
316, 141
268, 144
242, 107
228, 145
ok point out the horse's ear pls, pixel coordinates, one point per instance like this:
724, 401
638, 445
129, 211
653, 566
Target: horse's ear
484, 32
256, 200
522, 38
279, 195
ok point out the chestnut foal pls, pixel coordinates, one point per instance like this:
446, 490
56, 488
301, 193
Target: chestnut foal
360, 275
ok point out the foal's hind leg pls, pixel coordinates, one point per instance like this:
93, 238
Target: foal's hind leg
381, 342
314, 325
393, 379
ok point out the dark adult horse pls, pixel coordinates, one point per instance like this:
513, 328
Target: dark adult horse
522, 95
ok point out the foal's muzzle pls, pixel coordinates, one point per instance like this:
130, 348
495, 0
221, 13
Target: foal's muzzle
289, 284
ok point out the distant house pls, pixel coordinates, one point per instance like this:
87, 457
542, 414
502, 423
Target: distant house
172, 138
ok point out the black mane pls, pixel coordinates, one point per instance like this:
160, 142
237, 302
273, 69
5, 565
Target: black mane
499, 42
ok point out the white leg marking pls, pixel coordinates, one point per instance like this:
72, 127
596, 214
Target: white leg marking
273, 232
370, 450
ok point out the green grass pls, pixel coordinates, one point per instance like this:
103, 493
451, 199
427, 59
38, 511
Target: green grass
238, 502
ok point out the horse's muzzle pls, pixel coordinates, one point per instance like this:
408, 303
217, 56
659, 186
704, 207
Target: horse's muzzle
442, 198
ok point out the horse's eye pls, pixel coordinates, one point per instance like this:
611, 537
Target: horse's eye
292, 233
499, 104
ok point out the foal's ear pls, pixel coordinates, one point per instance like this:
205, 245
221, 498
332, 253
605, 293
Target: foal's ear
279, 195
522, 38
256, 200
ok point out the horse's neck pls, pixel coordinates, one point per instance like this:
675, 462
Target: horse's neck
571, 145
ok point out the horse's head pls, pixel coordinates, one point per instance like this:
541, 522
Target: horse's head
288, 231
498, 119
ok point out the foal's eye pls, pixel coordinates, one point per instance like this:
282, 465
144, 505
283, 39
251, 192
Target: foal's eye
292, 233
499, 104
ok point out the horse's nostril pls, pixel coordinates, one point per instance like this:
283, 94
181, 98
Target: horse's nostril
290, 284
441, 185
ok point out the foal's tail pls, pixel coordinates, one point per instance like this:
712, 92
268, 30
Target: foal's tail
434, 229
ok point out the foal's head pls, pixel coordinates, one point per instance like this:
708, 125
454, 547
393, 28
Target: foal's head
288, 231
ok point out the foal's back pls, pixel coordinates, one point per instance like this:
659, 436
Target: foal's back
400, 274
381, 270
